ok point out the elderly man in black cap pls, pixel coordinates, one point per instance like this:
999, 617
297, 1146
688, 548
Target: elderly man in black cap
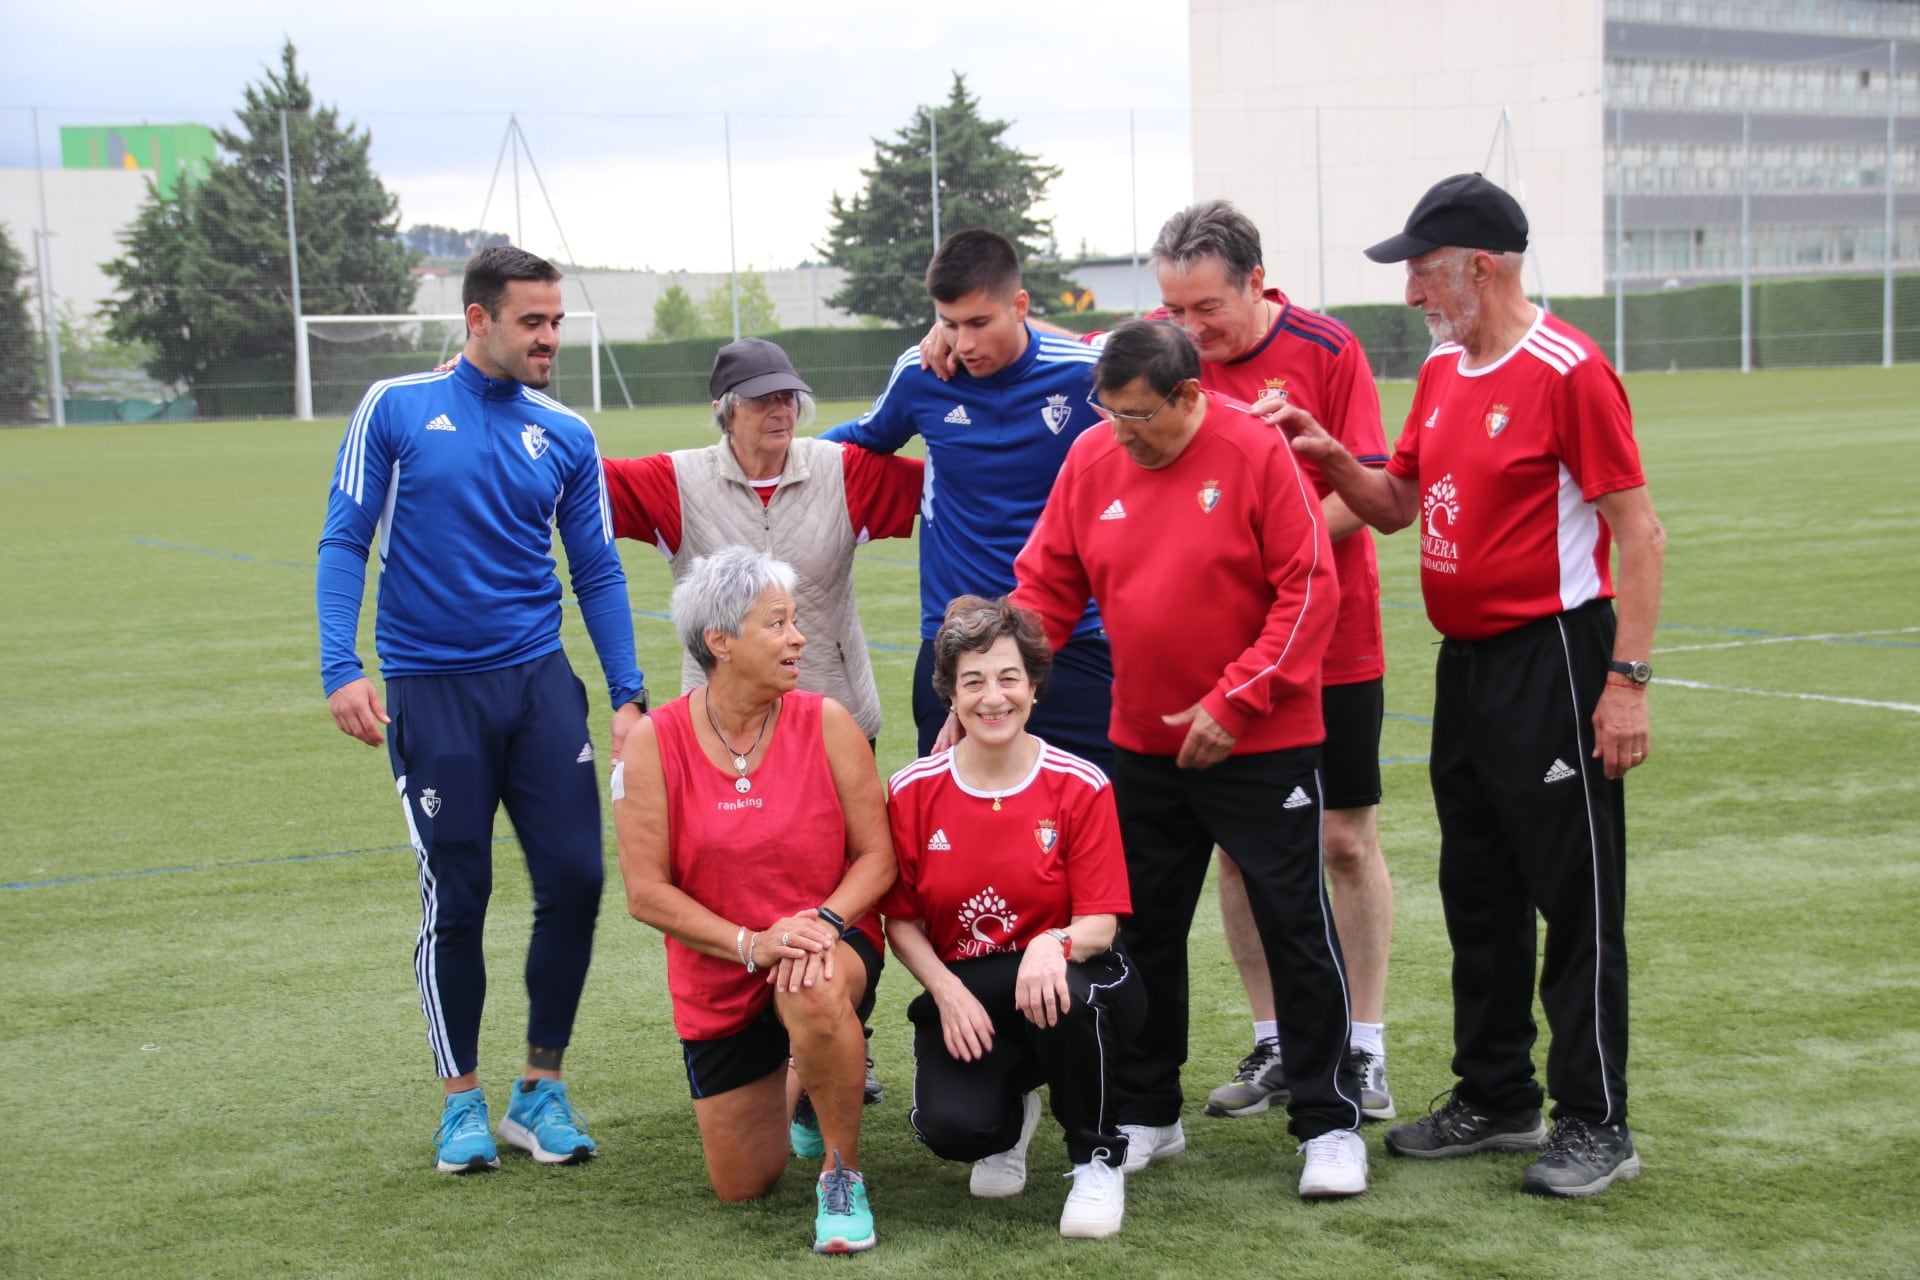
1519, 460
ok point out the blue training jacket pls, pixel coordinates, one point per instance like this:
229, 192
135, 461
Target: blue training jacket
464, 478
994, 446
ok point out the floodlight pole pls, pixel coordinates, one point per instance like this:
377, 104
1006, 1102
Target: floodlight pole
1620, 235
733, 265
56, 385
1746, 239
1133, 194
933, 168
302, 375
1319, 209
1886, 288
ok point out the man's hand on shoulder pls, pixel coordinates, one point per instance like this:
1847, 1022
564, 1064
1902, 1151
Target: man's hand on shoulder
358, 710
937, 355
626, 716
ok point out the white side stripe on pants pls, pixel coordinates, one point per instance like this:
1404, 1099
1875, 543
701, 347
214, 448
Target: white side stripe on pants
425, 971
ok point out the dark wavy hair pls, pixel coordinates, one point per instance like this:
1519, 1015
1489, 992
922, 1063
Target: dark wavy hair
972, 625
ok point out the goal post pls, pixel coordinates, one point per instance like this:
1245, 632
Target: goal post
339, 357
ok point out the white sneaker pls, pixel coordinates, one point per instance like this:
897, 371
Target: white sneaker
1336, 1165
1149, 1142
1098, 1202
1006, 1173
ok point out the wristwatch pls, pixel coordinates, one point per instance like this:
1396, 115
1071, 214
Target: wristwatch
1638, 672
1065, 940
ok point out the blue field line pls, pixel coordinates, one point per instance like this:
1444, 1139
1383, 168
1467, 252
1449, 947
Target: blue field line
1401, 715
224, 555
887, 560
222, 866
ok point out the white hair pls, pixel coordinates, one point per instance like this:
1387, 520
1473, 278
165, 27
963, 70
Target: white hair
723, 411
719, 590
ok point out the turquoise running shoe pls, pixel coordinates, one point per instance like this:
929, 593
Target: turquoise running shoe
464, 1144
843, 1223
804, 1132
541, 1122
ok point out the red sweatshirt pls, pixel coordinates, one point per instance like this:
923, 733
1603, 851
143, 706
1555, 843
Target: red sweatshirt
1214, 577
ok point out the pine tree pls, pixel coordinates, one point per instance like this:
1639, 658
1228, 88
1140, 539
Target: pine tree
757, 312
204, 275
883, 236
19, 344
674, 316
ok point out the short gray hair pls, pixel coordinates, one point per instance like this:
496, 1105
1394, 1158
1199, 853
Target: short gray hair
723, 411
717, 592
1210, 229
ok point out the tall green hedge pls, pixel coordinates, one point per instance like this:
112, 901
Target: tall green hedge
1830, 321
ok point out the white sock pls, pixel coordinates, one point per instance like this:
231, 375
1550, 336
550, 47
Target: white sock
1268, 1030
1370, 1037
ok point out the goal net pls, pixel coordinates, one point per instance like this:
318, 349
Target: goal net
339, 357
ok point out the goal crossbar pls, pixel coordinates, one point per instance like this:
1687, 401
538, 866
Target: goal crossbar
304, 332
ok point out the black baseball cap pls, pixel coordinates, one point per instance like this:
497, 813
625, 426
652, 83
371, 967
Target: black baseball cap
1464, 210
753, 367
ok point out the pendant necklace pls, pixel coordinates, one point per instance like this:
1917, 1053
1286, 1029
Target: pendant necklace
740, 784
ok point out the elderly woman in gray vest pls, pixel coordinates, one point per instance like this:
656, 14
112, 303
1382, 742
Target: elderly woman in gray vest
807, 501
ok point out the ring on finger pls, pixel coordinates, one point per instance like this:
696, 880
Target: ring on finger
785, 936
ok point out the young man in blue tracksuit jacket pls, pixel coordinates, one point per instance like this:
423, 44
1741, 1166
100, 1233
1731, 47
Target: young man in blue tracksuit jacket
463, 475
996, 436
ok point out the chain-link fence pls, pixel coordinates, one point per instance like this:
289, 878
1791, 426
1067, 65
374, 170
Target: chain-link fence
727, 216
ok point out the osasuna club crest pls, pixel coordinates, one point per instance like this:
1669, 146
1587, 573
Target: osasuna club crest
1209, 496
1047, 835
1496, 421
535, 438
1277, 387
1057, 413
430, 802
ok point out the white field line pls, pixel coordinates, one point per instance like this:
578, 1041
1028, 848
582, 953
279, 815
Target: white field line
1805, 697
1741, 644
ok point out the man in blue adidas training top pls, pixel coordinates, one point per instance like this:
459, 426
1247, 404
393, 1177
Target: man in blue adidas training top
996, 436
463, 476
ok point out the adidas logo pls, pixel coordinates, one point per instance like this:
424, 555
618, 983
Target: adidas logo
442, 423
1114, 512
959, 416
938, 840
1298, 800
1558, 773
585, 756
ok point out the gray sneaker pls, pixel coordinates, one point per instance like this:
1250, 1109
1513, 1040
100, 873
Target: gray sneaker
1582, 1159
1260, 1082
1376, 1100
1456, 1129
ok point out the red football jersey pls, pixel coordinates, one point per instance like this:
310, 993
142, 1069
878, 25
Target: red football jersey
1214, 577
1509, 459
1319, 365
982, 880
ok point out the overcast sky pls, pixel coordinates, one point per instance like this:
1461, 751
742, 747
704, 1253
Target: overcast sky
628, 110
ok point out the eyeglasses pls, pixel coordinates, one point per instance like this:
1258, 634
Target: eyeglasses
1113, 415
789, 398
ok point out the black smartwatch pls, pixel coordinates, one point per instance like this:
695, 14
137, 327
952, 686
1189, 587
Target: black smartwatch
1638, 672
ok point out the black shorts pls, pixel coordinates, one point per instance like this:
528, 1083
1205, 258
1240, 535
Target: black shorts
760, 1049
1350, 760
